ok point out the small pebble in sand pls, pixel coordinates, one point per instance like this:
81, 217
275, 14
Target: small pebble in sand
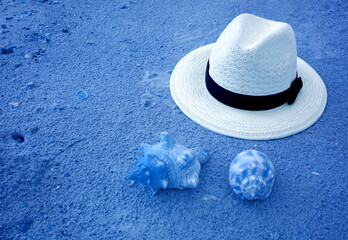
316, 173
209, 197
30, 85
17, 137
38, 53
67, 174
59, 106
49, 226
34, 129
147, 103
25, 204
23, 227
82, 94
18, 65
13, 104
90, 43
27, 56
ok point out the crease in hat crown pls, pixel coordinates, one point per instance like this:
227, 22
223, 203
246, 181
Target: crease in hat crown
254, 56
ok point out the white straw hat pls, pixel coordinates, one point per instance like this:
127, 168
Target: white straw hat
250, 84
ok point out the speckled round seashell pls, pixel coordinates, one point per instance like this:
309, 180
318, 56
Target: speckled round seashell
252, 175
168, 165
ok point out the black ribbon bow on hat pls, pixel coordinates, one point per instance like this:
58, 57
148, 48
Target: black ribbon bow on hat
294, 89
247, 102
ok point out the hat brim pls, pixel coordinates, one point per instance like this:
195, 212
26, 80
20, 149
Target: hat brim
187, 86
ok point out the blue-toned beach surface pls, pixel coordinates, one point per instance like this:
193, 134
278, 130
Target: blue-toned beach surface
83, 83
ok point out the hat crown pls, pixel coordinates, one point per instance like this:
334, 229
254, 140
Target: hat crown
254, 56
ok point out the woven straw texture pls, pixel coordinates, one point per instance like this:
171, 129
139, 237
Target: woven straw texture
254, 56
187, 85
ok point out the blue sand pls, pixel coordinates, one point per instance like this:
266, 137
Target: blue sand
99, 138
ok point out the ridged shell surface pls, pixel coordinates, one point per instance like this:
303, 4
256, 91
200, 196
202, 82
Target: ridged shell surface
168, 165
252, 175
